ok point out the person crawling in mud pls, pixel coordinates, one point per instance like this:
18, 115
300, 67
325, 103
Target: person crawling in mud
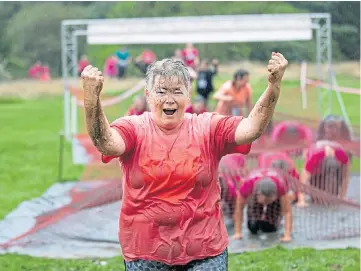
265, 193
326, 167
291, 132
333, 128
284, 164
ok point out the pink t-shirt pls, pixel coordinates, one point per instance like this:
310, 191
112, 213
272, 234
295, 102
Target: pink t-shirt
189, 56
189, 109
171, 195
249, 185
132, 111
316, 154
279, 133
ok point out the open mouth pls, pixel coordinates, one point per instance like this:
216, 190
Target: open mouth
169, 112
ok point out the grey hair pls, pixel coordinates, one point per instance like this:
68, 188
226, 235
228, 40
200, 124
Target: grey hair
167, 67
291, 129
331, 162
280, 164
266, 187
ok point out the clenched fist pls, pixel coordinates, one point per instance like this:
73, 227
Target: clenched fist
92, 80
276, 67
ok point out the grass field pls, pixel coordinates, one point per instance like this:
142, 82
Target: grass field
29, 162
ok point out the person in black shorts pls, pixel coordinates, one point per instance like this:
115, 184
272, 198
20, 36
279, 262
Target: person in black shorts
205, 78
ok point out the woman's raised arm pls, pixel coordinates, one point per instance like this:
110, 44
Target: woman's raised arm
106, 139
252, 127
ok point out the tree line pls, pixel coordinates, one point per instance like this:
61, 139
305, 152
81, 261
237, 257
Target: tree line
30, 31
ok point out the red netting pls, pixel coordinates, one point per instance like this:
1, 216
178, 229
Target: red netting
325, 216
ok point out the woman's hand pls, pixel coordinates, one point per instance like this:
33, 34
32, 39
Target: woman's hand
276, 67
92, 80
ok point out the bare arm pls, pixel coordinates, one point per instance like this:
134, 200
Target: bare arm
220, 95
345, 180
305, 175
105, 139
287, 214
252, 127
238, 216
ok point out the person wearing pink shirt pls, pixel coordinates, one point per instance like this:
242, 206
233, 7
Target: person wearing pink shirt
171, 215
190, 56
264, 193
326, 167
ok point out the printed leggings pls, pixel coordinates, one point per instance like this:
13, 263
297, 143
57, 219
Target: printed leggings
217, 263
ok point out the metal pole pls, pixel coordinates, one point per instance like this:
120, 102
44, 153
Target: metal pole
74, 67
329, 61
64, 62
319, 75
61, 155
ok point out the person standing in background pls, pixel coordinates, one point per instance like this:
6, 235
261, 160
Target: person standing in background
190, 56
143, 61
235, 95
205, 78
83, 62
123, 56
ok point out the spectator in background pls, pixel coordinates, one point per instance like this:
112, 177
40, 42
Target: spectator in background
178, 55
110, 68
143, 61
39, 71
123, 56
198, 106
83, 62
45, 73
35, 70
190, 56
205, 78
235, 95
139, 106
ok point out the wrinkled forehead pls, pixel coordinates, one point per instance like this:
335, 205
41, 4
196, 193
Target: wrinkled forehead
171, 82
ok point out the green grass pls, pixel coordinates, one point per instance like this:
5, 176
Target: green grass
276, 259
29, 165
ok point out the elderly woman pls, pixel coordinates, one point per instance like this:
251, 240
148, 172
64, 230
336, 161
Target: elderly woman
170, 215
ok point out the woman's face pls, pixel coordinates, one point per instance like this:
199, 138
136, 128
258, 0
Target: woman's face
261, 199
241, 82
332, 130
168, 100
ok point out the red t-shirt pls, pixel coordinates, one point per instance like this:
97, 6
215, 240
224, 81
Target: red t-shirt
171, 195
148, 57
132, 112
189, 56
82, 64
279, 132
189, 109
316, 154
35, 71
248, 185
